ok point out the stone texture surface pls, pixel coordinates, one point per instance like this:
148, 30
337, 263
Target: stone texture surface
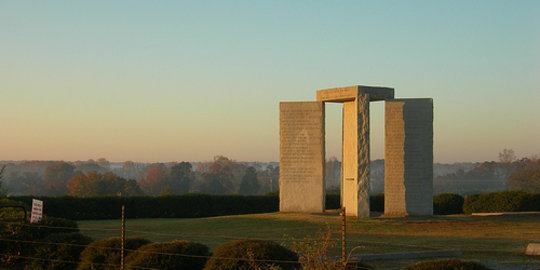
363, 153
408, 157
344, 94
355, 157
301, 159
349, 165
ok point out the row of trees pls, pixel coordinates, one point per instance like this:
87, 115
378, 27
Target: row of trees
220, 176
226, 176
527, 176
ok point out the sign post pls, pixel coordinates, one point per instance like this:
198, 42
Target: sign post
37, 211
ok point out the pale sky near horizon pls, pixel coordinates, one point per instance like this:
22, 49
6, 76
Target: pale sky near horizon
159, 81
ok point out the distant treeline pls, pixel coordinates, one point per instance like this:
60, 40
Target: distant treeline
100, 178
225, 176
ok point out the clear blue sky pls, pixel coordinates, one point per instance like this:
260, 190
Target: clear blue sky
187, 80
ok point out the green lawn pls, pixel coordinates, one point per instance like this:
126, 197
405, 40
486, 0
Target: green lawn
497, 238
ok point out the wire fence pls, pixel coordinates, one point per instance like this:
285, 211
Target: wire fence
332, 229
7, 241
220, 237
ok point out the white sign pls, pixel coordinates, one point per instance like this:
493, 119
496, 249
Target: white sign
37, 211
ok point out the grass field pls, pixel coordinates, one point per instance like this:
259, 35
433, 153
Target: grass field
501, 239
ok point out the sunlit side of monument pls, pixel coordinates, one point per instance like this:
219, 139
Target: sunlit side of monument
408, 153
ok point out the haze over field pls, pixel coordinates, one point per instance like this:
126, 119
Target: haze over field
185, 81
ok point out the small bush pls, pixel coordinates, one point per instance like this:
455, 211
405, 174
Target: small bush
105, 254
447, 264
250, 254
448, 204
506, 201
19, 235
63, 256
147, 256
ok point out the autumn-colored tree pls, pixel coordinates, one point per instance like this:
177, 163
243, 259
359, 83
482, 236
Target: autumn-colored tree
79, 185
56, 177
219, 177
250, 183
155, 179
98, 184
527, 178
180, 178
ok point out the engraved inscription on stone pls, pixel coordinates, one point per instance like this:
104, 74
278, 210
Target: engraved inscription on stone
301, 140
301, 156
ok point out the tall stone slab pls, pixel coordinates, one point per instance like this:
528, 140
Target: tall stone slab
408, 156
355, 156
301, 157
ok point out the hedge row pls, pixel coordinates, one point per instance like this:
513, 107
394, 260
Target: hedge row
184, 206
506, 201
181, 206
203, 205
447, 204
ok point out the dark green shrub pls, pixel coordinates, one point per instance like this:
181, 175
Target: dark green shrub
19, 236
251, 254
448, 204
376, 202
177, 206
63, 255
447, 264
506, 201
533, 203
11, 215
105, 254
193, 256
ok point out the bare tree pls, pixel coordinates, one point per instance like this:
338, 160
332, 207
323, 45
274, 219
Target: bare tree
507, 156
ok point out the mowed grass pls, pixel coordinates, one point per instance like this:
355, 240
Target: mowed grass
496, 238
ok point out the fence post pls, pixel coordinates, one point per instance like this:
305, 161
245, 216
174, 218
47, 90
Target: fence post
123, 238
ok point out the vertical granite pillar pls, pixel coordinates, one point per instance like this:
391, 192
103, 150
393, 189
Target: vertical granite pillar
301, 157
408, 156
355, 159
